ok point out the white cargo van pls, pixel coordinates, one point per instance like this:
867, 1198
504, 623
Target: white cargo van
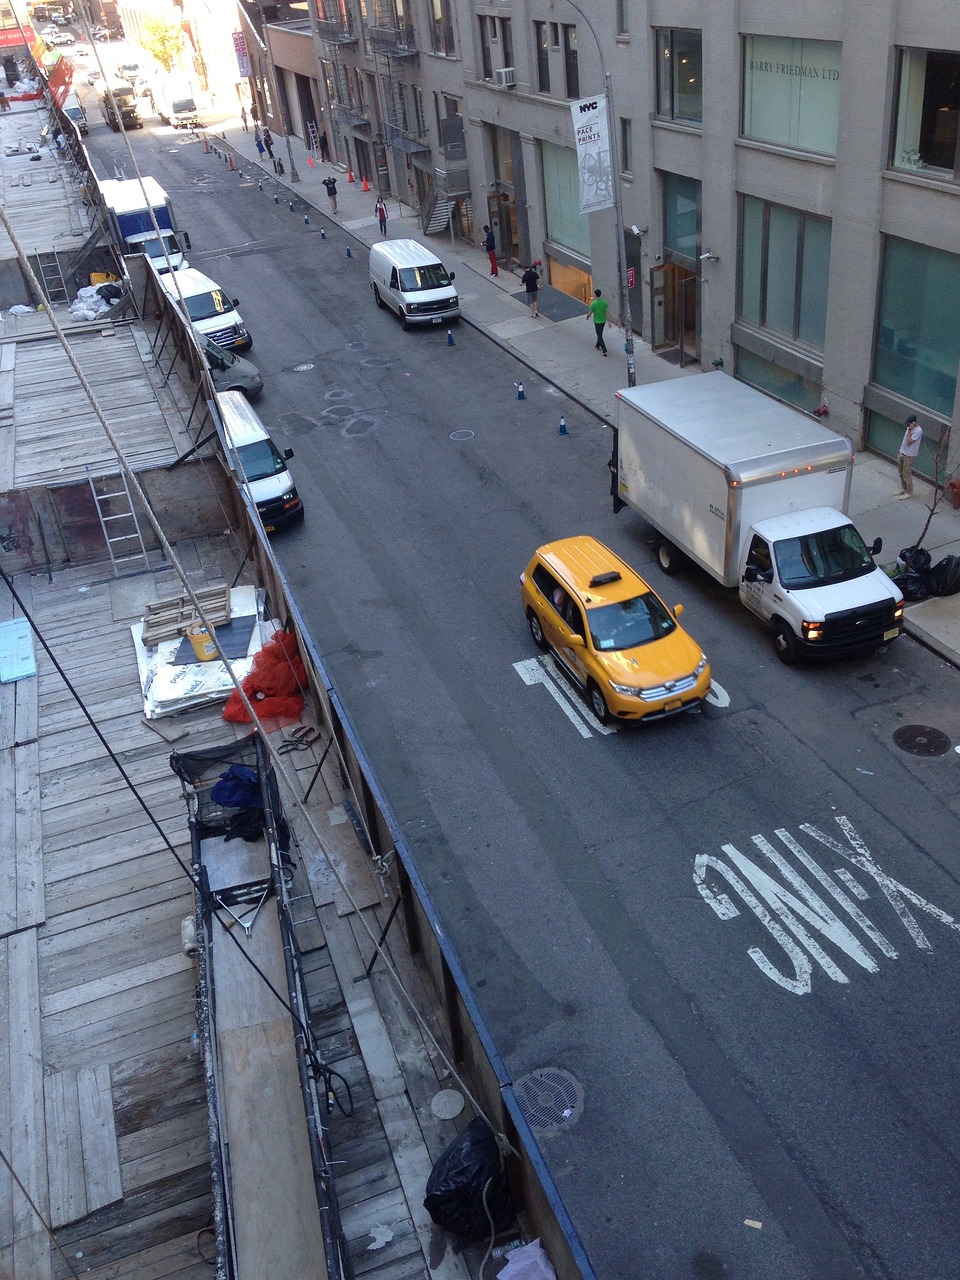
211, 312
411, 280
257, 463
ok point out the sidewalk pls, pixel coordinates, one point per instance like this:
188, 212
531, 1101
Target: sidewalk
562, 352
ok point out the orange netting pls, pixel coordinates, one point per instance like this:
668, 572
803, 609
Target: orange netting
275, 682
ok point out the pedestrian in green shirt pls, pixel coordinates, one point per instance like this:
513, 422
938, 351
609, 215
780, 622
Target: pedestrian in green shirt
598, 311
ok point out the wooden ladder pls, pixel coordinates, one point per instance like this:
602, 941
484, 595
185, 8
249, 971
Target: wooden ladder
118, 520
51, 277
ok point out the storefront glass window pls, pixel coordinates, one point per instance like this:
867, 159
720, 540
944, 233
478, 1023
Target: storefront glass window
784, 270
566, 225
917, 347
791, 92
681, 206
778, 381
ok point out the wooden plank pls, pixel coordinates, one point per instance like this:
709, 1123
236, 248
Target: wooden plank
6, 1094
27, 1146
8, 842
101, 1163
29, 846
68, 1195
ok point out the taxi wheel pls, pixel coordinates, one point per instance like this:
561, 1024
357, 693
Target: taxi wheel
598, 703
536, 630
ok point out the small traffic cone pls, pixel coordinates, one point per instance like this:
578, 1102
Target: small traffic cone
259, 184
520, 395
306, 220
206, 146
349, 252
276, 197
350, 177
240, 174
562, 429
366, 184
323, 234
290, 205
310, 161
450, 341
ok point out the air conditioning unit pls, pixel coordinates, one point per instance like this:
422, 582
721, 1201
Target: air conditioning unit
505, 77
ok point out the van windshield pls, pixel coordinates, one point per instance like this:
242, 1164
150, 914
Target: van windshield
833, 555
204, 306
629, 623
416, 279
260, 460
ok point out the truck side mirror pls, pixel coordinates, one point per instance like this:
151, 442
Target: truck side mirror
453, 275
750, 573
287, 455
185, 237
234, 302
877, 546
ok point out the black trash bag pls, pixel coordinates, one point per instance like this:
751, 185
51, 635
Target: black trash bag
456, 1184
914, 559
110, 292
944, 578
913, 585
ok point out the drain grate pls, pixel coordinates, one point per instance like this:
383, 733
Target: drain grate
921, 740
550, 1098
302, 368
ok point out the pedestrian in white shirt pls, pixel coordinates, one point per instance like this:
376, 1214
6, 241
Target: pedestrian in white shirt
909, 449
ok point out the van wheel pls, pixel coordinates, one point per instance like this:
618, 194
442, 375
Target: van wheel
598, 703
404, 322
536, 630
669, 558
376, 297
785, 643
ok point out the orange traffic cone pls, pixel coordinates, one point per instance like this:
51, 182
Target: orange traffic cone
366, 184
206, 145
232, 165
310, 161
350, 177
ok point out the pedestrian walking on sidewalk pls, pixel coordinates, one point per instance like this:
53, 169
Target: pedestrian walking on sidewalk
243, 118
490, 244
331, 186
268, 142
597, 310
531, 282
261, 149
324, 148
909, 448
381, 211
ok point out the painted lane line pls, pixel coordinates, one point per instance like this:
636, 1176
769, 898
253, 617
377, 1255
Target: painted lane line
531, 672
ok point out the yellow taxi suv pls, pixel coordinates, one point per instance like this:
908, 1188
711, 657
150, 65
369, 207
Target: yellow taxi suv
611, 633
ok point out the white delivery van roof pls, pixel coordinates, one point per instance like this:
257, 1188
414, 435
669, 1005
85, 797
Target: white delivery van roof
127, 196
734, 425
240, 420
405, 253
191, 282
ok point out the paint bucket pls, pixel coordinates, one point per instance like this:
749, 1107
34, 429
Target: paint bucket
202, 641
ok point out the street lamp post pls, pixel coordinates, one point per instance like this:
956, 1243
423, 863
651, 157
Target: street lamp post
624, 287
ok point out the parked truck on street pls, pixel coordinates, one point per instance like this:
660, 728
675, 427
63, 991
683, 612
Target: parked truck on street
118, 106
754, 493
175, 105
127, 207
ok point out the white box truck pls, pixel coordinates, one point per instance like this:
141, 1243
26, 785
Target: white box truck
128, 217
754, 493
175, 104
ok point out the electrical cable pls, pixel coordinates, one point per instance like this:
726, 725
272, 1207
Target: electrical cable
39, 1216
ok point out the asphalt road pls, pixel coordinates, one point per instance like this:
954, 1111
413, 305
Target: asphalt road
737, 930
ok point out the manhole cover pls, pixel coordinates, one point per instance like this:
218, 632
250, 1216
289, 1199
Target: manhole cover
551, 1099
358, 427
302, 368
376, 362
461, 435
338, 394
357, 346
338, 411
921, 740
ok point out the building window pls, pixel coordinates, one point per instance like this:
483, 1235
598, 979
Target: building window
485, 25
623, 25
917, 345
442, 24
928, 112
626, 145
506, 37
571, 67
679, 76
565, 224
418, 110
541, 40
784, 270
791, 92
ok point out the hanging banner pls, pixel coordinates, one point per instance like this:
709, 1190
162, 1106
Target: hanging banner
593, 153
243, 60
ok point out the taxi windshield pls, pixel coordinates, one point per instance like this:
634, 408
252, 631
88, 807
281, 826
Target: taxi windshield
629, 623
